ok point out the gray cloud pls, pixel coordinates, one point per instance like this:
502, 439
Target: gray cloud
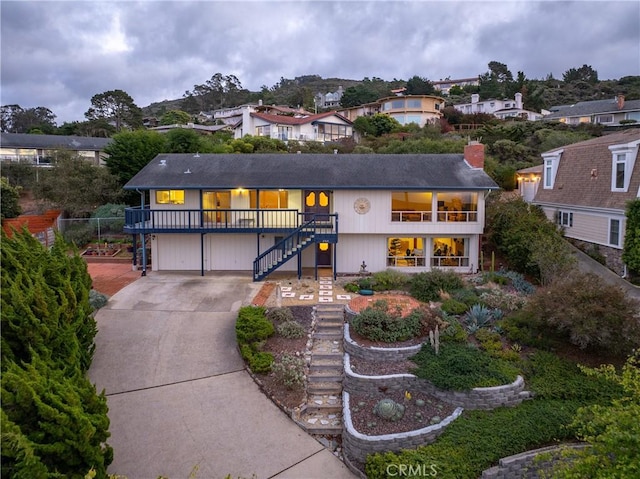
60, 54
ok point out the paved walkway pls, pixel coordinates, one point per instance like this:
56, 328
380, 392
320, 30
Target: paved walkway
178, 394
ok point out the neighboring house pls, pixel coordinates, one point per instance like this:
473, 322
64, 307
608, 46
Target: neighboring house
201, 129
40, 149
265, 212
585, 189
444, 86
328, 100
323, 127
502, 109
527, 181
418, 109
604, 112
233, 115
42, 227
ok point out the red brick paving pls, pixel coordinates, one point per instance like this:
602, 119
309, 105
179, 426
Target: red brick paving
109, 278
263, 295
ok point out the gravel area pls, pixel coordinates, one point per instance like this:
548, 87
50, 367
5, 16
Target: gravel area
415, 416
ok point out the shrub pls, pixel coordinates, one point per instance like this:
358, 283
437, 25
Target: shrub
351, 288
289, 370
78, 233
453, 306
280, 315
518, 282
378, 324
290, 330
459, 367
390, 279
252, 325
505, 300
454, 332
426, 286
588, 312
467, 296
97, 300
260, 362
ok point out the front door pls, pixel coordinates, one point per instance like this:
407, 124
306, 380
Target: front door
316, 202
323, 254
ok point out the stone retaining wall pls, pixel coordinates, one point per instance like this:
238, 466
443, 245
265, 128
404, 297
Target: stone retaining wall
356, 446
525, 465
477, 398
377, 353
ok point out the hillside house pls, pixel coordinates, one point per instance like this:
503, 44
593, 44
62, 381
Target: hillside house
608, 112
265, 212
40, 150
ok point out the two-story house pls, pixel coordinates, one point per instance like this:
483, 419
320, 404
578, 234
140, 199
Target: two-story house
585, 189
41, 149
609, 112
291, 211
321, 127
502, 109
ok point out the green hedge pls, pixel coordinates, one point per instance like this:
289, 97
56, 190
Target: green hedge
378, 324
252, 328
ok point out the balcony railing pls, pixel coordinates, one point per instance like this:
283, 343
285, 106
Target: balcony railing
442, 216
148, 220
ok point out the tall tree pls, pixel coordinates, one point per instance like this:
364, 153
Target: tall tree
18, 120
76, 186
631, 251
130, 151
496, 83
585, 73
175, 117
115, 106
9, 197
358, 95
419, 86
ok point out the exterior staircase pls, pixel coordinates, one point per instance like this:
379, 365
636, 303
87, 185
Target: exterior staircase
323, 414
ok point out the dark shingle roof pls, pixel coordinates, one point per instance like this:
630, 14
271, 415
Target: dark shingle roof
77, 143
584, 108
584, 174
270, 171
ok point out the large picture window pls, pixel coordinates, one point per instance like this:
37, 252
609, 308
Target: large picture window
405, 252
457, 206
411, 205
170, 197
269, 199
450, 252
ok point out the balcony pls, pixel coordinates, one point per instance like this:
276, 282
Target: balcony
138, 221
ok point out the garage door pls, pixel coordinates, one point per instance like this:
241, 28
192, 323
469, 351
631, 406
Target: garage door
177, 252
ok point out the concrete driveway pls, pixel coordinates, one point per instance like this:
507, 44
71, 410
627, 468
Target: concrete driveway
179, 397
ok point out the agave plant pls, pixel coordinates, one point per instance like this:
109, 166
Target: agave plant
477, 317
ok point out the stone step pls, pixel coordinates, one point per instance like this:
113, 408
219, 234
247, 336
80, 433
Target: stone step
332, 364
337, 326
324, 408
326, 315
326, 356
321, 430
332, 387
326, 424
323, 345
334, 335
325, 376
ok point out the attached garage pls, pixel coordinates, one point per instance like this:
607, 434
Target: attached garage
176, 252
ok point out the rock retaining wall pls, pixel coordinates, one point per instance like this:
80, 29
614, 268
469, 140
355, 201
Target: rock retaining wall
526, 466
356, 446
376, 353
477, 398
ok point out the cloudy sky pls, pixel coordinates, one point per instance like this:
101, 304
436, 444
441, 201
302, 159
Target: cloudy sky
58, 54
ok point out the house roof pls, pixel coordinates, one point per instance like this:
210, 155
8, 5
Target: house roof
584, 174
77, 143
312, 171
532, 169
297, 120
586, 108
34, 223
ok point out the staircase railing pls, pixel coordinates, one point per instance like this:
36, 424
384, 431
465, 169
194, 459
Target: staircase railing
292, 245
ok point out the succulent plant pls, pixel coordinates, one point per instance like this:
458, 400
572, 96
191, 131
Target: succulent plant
389, 409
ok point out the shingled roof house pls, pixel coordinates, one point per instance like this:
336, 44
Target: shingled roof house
585, 189
40, 149
609, 112
258, 212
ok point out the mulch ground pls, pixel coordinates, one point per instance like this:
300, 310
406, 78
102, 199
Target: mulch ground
109, 278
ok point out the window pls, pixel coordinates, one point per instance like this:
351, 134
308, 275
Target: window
331, 131
285, 132
170, 197
565, 218
614, 232
604, 119
405, 252
397, 104
450, 252
413, 103
620, 166
269, 199
457, 206
551, 161
263, 130
413, 119
411, 205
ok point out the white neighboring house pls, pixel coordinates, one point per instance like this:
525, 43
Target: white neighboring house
321, 127
585, 189
265, 212
502, 109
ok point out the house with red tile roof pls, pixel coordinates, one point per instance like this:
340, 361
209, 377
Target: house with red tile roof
42, 227
585, 189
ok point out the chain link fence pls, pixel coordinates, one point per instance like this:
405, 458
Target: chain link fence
84, 231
